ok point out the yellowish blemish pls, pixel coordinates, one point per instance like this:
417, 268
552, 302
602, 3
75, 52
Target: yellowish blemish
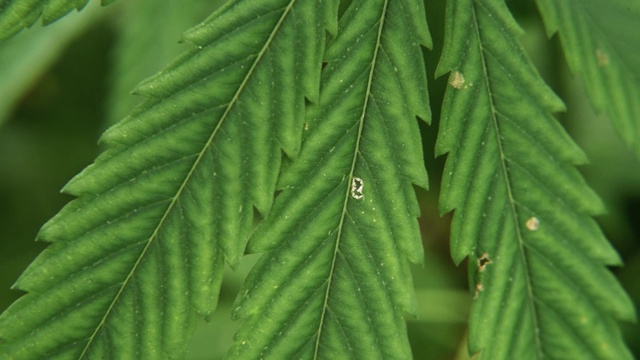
602, 58
479, 289
457, 80
533, 223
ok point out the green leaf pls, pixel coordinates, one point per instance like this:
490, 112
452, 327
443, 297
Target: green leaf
16, 15
522, 211
334, 280
143, 24
142, 249
601, 43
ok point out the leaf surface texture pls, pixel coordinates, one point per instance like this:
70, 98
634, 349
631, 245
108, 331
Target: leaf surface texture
142, 250
334, 278
601, 43
522, 210
156, 29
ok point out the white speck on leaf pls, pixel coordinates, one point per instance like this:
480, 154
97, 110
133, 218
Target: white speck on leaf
357, 188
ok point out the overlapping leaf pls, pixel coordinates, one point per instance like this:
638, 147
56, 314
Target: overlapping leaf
601, 43
24, 58
16, 15
334, 281
522, 211
142, 249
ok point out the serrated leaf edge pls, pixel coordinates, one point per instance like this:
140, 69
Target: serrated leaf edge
171, 205
351, 175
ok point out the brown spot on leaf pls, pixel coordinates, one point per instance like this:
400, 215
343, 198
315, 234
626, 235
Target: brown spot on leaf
483, 261
479, 289
602, 58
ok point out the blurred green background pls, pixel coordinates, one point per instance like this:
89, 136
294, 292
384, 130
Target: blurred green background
62, 85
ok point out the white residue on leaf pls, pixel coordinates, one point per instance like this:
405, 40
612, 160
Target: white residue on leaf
533, 223
457, 80
357, 188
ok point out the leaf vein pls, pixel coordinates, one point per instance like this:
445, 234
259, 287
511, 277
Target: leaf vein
505, 174
188, 177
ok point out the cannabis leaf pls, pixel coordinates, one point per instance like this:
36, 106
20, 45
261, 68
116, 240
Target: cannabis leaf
334, 280
601, 43
141, 251
16, 15
522, 210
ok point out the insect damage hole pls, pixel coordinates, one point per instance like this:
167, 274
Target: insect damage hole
357, 188
533, 223
483, 261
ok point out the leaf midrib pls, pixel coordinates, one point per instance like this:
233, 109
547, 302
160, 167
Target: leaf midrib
196, 162
507, 181
351, 175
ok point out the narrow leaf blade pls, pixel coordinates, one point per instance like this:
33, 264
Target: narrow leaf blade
334, 280
522, 211
141, 252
